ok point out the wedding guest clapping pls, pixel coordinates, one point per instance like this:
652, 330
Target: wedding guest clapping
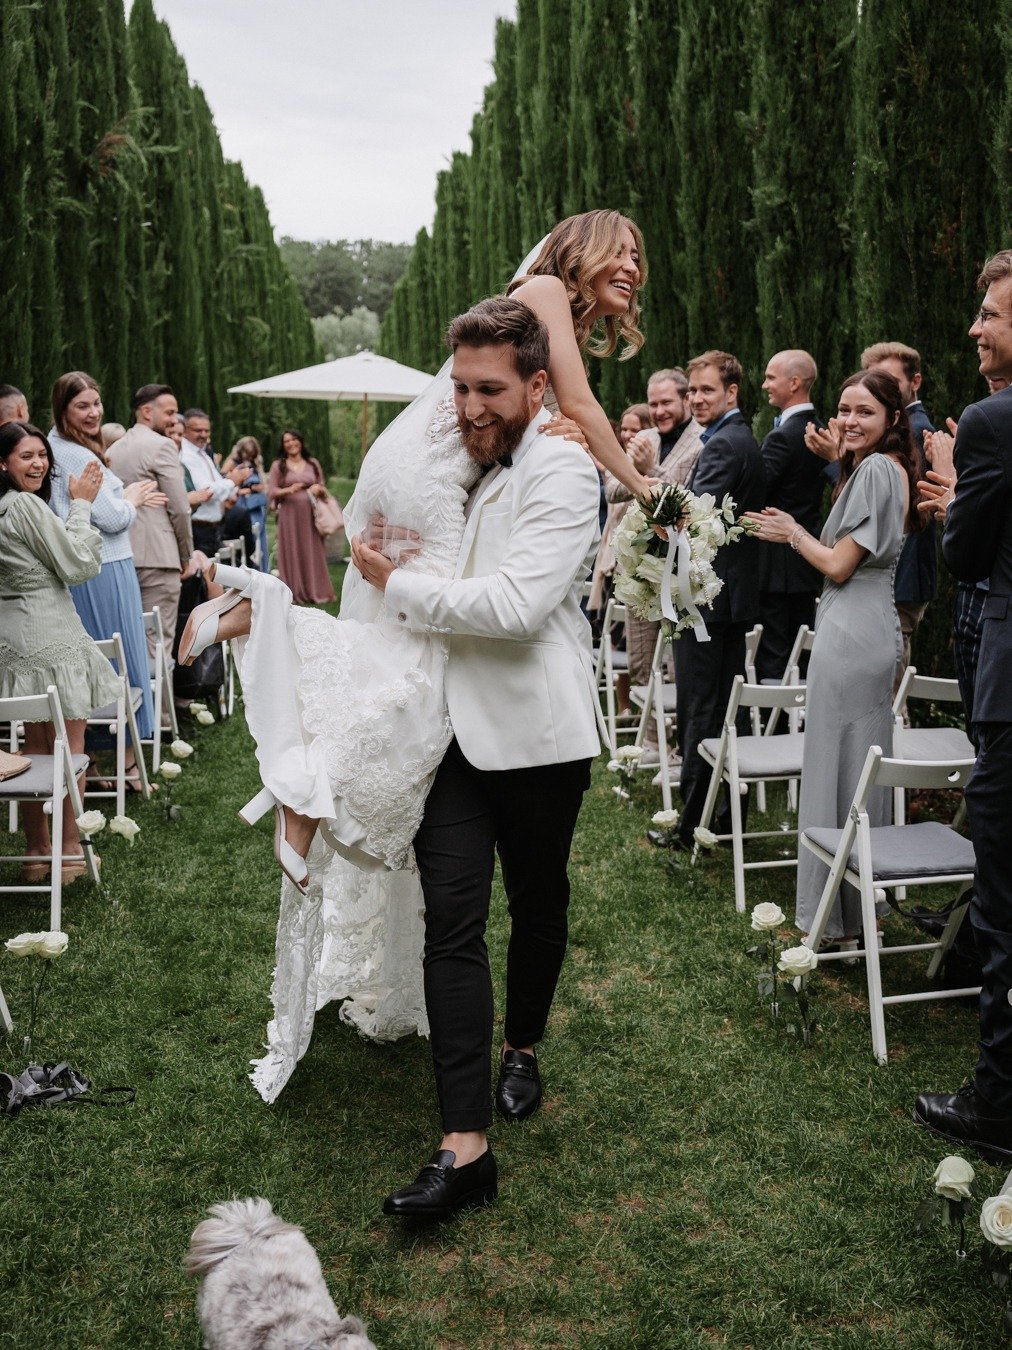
253, 492
42, 639
857, 637
111, 601
295, 479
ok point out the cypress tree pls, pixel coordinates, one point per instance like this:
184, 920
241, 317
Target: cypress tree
710, 94
1001, 232
801, 77
528, 49
923, 197
503, 146
550, 115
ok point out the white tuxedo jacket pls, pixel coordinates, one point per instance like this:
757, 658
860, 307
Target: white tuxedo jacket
519, 676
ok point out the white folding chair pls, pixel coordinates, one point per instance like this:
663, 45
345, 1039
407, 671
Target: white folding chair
753, 638
46, 783
931, 743
611, 663
5, 1015
161, 685
120, 717
656, 699
230, 553
890, 857
740, 761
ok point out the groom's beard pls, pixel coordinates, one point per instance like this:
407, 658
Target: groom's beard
487, 447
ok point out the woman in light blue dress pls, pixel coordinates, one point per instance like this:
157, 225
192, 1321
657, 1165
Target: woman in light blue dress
857, 638
110, 602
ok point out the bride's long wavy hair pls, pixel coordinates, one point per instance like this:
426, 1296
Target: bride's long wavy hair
575, 252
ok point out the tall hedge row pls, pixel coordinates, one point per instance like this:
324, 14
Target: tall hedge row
824, 176
129, 246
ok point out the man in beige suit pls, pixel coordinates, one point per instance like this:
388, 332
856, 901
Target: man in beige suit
162, 537
668, 451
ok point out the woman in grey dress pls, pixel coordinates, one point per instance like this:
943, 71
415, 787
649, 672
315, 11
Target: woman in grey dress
857, 638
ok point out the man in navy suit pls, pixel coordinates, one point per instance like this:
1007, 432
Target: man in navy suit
977, 543
729, 462
795, 482
916, 582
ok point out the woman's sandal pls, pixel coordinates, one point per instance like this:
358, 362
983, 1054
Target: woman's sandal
32, 872
77, 867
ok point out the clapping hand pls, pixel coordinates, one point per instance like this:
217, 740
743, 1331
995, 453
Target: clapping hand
939, 447
86, 488
936, 493
145, 493
826, 442
641, 450
776, 527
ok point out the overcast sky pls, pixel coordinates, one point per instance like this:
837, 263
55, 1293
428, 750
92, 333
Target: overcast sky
342, 111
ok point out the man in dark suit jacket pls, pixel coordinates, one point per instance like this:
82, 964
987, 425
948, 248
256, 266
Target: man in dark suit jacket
977, 543
916, 581
796, 483
729, 462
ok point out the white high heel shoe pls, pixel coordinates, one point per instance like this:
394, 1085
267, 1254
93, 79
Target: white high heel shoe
201, 630
293, 866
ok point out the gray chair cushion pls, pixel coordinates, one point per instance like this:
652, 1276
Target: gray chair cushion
932, 743
669, 698
108, 713
924, 850
37, 780
763, 756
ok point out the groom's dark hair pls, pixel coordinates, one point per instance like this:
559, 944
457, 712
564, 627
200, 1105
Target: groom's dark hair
501, 319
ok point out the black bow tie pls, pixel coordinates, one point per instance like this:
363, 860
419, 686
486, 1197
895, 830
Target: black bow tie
504, 462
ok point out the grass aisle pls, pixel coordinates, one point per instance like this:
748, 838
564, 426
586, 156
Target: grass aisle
694, 1179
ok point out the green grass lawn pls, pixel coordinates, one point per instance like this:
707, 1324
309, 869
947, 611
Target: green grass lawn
695, 1178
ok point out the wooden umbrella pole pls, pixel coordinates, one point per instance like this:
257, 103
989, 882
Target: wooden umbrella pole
365, 424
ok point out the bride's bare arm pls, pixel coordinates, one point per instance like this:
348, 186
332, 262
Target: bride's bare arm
547, 297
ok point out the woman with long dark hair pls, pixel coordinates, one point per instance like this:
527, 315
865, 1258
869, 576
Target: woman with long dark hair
42, 640
295, 479
109, 602
857, 638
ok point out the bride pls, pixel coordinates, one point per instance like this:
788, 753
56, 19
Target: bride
348, 715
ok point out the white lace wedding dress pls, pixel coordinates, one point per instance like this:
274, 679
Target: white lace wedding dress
350, 724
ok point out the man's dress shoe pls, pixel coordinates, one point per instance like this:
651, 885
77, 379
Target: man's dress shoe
518, 1094
440, 1188
965, 1118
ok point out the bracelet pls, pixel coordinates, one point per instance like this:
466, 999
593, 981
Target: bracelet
800, 532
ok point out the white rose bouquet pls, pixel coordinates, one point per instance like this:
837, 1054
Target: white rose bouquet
47, 947
668, 575
625, 764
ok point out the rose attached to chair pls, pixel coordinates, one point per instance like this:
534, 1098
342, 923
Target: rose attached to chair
91, 823
767, 917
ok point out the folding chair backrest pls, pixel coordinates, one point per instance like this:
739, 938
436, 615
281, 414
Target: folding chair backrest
923, 773
752, 639
931, 687
112, 650
802, 643
25, 708
770, 695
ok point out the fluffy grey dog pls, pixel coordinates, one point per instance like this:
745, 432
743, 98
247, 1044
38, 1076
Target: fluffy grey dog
262, 1285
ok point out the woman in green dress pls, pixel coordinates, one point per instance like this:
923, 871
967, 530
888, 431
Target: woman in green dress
42, 640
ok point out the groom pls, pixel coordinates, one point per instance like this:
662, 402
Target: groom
522, 704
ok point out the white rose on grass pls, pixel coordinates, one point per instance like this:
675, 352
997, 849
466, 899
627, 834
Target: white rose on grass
797, 961
205, 718
169, 771
996, 1220
954, 1177
181, 749
125, 826
91, 822
628, 754
667, 820
766, 917
705, 838
52, 945
25, 944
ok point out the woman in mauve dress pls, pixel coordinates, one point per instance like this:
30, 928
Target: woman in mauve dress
295, 479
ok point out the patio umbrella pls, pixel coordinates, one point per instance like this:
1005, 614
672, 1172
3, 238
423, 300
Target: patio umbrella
350, 378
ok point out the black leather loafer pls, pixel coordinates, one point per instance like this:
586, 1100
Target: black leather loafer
440, 1188
518, 1094
965, 1118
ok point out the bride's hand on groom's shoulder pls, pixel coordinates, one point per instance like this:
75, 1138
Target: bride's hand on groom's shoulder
565, 426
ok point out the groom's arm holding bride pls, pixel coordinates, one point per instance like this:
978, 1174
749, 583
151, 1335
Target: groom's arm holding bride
553, 526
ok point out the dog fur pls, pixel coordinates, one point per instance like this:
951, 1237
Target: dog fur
262, 1286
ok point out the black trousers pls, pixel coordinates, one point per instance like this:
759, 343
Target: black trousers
528, 817
781, 614
967, 627
988, 805
704, 674
207, 536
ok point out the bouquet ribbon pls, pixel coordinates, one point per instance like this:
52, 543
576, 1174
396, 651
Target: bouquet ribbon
678, 547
